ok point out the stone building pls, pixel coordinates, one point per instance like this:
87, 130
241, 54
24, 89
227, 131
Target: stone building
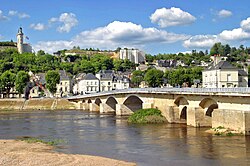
221, 74
21, 46
64, 87
87, 84
109, 80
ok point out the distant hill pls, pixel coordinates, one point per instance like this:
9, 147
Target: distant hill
8, 43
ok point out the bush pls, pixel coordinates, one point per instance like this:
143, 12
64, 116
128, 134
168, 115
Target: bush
150, 115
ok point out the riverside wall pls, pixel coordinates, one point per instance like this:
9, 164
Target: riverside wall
36, 104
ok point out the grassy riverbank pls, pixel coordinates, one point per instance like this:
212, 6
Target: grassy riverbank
150, 115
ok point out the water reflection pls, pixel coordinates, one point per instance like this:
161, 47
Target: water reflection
109, 136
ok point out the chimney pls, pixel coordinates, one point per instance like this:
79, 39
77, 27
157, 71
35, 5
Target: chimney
217, 59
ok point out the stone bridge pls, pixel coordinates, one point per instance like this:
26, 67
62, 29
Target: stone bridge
198, 107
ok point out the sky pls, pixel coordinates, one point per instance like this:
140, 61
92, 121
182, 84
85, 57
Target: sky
154, 26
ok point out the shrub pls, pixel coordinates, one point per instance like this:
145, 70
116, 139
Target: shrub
150, 115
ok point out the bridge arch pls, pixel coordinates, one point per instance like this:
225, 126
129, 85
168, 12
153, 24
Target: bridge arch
208, 105
111, 101
133, 102
98, 101
182, 103
180, 100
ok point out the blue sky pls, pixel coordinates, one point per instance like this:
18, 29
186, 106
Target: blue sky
155, 26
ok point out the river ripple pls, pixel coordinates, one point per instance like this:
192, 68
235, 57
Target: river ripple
110, 136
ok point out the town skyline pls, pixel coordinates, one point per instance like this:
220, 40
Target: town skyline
155, 27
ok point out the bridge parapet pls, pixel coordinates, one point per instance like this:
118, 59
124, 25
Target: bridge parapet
201, 91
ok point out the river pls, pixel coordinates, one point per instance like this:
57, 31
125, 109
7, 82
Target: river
111, 136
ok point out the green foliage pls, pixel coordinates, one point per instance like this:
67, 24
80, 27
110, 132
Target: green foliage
22, 78
150, 115
181, 75
52, 78
7, 81
137, 77
154, 77
51, 142
7, 43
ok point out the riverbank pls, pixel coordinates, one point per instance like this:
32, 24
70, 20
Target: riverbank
20, 153
36, 104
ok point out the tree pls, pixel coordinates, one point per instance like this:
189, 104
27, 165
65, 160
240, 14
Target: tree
137, 77
52, 78
21, 81
154, 77
7, 81
215, 49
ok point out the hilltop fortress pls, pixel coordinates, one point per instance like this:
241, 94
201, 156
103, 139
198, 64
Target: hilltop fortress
19, 45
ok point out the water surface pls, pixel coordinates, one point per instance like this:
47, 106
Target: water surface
110, 136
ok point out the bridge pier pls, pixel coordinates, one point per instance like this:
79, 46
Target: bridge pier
94, 107
234, 119
196, 117
105, 108
122, 109
147, 105
85, 106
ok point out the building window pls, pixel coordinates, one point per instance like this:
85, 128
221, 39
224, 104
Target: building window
87, 83
91, 83
229, 77
95, 83
240, 79
66, 89
65, 83
60, 83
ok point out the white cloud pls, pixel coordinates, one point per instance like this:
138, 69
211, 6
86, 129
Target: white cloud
226, 36
18, 14
38, 26
245, 24
224, 13
235, 34
52, 46
2, 16
171, 17
68, 20
117, 34
201, 41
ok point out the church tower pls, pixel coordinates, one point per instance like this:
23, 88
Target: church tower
20, 41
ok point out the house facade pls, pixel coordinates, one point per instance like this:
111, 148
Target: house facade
223, 75
64, 86
88, 84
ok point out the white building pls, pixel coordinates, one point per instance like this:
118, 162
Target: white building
105, 80
88, 84
64, 87
21, 46
224, 75
109, 80
134, 55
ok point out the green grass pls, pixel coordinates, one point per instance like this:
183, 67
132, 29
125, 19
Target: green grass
51, 142
6, 110
150, 115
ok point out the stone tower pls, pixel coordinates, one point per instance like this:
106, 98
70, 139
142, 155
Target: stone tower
20, 41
